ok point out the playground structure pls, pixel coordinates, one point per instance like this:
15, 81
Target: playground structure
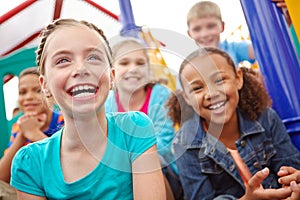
274, 50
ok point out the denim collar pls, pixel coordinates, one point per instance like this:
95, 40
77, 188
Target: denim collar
192, 134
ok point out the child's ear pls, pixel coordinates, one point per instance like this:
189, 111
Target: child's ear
188, 32
42, 82
222, 26
44, 86
240, 79
112, 78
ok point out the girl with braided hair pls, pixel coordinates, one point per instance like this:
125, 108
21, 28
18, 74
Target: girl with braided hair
233, 145
95, 155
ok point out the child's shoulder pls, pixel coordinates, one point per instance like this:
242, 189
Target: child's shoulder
162, 88
131, 117
160, 92
227, 45
131, 123
268, 114
42, 147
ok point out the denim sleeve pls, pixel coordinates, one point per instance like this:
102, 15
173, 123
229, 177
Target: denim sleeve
196, 185
286, 152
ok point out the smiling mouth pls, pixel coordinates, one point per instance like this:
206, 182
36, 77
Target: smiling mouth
216, 106
132, 78
83, 91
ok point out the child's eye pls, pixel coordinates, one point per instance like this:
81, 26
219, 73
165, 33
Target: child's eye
94, 57
62, 60
124, 63
197, 88
141, 63
196, 29
220, 80
22, 93
211, 26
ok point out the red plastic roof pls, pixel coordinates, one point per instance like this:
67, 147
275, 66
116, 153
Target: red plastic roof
21, 26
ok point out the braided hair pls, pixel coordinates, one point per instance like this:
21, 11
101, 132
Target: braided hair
40, 57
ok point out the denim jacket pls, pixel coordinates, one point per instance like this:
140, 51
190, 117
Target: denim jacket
208, 171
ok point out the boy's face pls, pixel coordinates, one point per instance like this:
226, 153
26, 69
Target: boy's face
30, 97
206, 31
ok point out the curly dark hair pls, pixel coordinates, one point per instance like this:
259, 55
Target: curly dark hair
178, 110
253, 100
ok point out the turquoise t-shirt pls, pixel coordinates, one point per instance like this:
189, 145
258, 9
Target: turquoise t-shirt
36, 168
238, 51
163, 126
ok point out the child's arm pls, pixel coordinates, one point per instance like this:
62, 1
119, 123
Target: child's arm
163, 125
6, 160
148, 182
251, 52
30, 129
26, 196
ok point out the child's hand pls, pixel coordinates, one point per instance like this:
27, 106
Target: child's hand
31, 124
280, 3
290, 177
288, 174
295, 191
254, 189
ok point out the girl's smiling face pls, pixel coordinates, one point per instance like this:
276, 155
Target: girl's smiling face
131, 68
77, 71
211, 86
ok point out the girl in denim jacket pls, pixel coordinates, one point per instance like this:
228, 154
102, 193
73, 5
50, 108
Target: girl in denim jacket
232, 145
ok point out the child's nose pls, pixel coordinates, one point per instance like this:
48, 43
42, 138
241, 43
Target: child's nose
204, 33
29, 95
80, 69
211, 93
133, 67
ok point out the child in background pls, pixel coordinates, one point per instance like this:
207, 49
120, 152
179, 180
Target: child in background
37, 122
234, 145
205, 25
95, 155
134, 91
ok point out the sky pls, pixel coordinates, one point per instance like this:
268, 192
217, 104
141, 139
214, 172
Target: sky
169, 15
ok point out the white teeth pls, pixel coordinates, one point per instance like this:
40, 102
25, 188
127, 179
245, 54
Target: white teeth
85, 94
82, 87
216, 106
83, 91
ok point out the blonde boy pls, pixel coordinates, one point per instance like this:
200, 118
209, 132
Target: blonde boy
205, 25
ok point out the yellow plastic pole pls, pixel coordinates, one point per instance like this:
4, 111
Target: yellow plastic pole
293, 7
159, 67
